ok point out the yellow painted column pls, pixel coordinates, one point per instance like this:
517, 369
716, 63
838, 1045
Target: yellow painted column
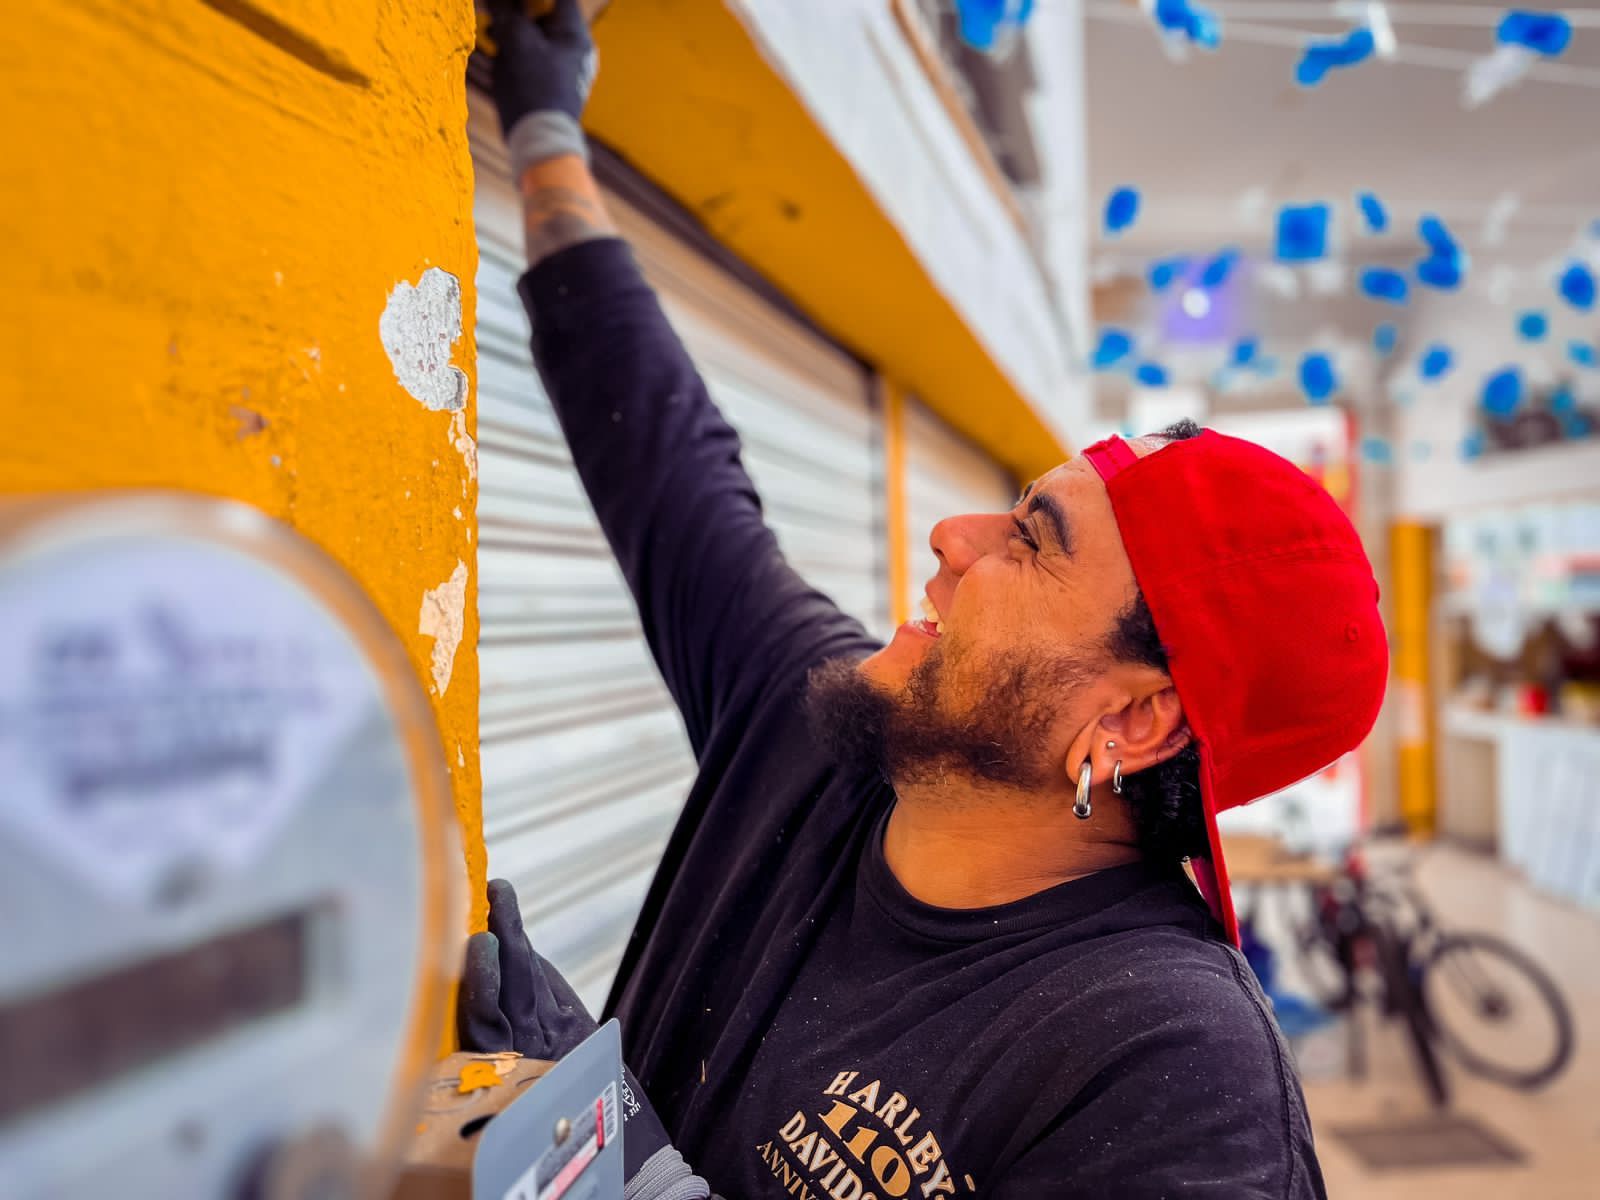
1412, 549
230, 229
893, 400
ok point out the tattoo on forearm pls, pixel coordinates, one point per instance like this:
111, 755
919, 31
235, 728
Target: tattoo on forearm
557, 217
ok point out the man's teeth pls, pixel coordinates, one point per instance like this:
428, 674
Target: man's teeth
931, 615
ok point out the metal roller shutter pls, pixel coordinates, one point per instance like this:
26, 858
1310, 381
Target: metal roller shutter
945, 475
584, 760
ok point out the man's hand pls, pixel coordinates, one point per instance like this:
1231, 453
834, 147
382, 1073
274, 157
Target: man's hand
511, 997
543, 64
542, 72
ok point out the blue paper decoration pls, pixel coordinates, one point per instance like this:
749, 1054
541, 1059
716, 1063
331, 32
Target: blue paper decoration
1151, 374
1472, 445
1219, 268
1581, 353
1562, 400
1302, 232
1376, 450
1502, 392
1321, 57
1436, 362
1372, 212
1445, 264
1317, 378
1115, 345
981, 22
1577, 287
1382, 283
1544, 33
1198, 26
1163, 271
1122, 210
1576, 424
1532, 326
1384, 338
1245, 351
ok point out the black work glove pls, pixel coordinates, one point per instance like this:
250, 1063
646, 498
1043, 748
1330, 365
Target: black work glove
542, 64
512, 998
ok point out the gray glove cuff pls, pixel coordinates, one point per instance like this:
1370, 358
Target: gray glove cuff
665, 1176
548, 133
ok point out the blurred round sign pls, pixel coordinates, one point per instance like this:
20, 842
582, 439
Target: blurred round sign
225, 854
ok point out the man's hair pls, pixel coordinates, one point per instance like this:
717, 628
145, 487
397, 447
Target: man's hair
1165, 798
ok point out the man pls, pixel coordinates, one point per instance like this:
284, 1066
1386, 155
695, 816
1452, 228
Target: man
923, 927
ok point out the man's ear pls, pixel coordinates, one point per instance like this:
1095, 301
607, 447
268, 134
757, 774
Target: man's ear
1148, 729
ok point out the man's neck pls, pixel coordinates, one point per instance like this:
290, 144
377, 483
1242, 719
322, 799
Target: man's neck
988, 849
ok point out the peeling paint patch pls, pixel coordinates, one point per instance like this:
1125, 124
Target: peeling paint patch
465, 446
419, 327
442, 617
250, 422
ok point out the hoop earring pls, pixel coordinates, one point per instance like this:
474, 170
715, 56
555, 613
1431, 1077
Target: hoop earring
1116, 779
1080, 807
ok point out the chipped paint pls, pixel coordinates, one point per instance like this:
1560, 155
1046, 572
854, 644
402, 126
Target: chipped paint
249, 421
465, 446
443, 619
478, 1074
419, 329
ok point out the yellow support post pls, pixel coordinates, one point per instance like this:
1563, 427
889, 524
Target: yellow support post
893, 400
1412, 552
231, 232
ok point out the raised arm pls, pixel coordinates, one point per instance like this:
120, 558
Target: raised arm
723, 612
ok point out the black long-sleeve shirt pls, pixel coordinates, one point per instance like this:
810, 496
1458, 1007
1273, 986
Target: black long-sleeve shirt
803, 1025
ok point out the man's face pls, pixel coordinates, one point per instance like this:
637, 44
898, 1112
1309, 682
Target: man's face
1012, 672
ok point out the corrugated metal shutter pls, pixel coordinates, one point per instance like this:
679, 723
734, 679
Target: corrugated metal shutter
946, 475
584, 760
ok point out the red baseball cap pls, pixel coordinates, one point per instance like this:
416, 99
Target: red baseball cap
1267, 607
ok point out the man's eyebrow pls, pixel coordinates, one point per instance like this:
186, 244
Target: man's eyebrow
1050, 509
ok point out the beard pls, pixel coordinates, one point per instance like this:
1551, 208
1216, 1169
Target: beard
1001, 736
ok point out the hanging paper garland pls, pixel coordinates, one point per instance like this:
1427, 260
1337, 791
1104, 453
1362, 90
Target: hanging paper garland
1502, 392
1383, 283
1302, 233
1122, 210
1373, 212
1321, 57
1577, 287
1445, 264
1218, 269
1151, 375
1163, 271
1317, 378
1182, 25
1115, 345
1436, 362
1521, 39
1532, 326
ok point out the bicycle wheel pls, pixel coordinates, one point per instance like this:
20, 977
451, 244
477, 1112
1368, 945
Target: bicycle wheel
1497, 1011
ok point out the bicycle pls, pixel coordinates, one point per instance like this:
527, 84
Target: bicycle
1374, 937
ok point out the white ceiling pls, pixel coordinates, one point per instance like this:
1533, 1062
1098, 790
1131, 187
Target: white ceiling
1197, 137
1217, 143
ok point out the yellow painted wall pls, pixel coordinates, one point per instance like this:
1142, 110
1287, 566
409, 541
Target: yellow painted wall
1412, 549
206, 204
